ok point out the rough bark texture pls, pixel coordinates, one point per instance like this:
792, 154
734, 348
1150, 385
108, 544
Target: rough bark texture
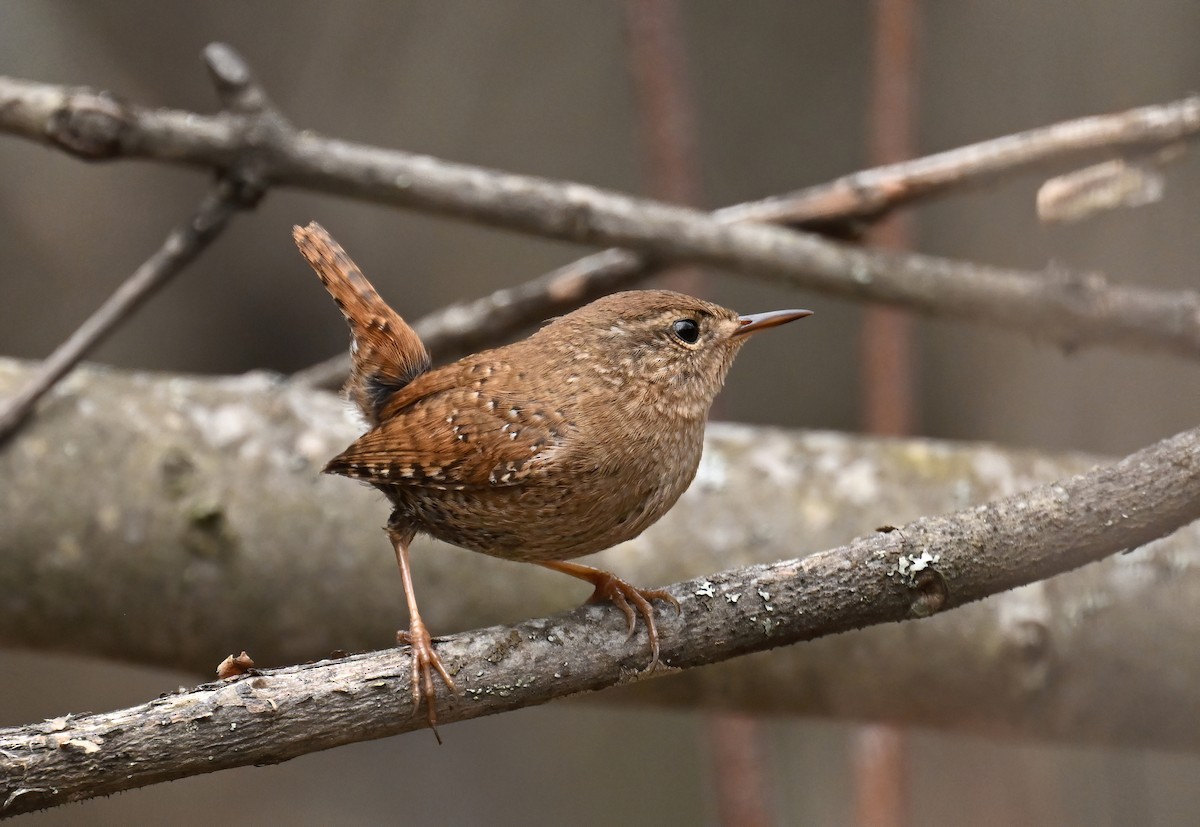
171, 520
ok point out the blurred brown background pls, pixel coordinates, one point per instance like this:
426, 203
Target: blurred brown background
781, 92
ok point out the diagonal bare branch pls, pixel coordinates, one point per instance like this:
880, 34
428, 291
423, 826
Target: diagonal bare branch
236, 188
184, 560
1069, 309
96, 126
185, 241
931, 565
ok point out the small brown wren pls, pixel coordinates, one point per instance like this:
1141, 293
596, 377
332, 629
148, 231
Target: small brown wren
563, 444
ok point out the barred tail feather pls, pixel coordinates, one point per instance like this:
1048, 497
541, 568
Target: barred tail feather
386, 352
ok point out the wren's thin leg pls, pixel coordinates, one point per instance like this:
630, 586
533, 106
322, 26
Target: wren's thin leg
610, 587
424, 659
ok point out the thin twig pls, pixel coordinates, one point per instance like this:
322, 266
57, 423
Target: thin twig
870, 194
239, 93
1069, 309
182, 245
932, 565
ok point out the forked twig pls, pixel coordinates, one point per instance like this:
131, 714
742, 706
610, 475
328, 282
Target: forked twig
182, 245
1071, 309
236, 188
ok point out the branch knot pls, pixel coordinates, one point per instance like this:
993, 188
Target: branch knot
89, 125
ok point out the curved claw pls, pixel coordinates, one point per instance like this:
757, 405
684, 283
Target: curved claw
608, 586
618, 599
425, 662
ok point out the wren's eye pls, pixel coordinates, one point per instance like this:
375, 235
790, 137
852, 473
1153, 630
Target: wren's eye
688, 330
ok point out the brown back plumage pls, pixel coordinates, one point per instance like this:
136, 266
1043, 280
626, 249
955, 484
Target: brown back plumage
386, 352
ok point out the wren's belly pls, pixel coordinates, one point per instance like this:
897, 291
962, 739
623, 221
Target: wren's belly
546, 521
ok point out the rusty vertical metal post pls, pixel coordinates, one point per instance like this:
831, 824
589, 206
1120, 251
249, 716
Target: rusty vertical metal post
667, 129
665, 114
888, 366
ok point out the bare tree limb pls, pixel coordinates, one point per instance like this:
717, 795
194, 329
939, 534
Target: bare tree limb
255, 439
206, 526
1070, 309
211, 531
95, 126
929, 566
873, 193
236, 188
1103, 655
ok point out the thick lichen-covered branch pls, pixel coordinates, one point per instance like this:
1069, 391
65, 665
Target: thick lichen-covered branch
190, 495
187, 518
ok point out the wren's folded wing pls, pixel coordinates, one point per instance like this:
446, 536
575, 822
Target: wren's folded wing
438, 443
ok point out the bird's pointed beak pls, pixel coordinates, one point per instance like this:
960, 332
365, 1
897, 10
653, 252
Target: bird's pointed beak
761, 321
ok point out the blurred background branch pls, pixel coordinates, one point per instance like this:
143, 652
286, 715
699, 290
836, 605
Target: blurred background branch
98, 126
928, 566
1070, 309
184, 243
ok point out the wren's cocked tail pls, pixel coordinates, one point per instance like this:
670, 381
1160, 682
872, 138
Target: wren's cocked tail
562, 444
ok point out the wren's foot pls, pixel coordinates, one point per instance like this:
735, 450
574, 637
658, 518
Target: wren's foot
425, 662
610, 587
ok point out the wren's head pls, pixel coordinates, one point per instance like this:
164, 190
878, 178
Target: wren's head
676, 347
